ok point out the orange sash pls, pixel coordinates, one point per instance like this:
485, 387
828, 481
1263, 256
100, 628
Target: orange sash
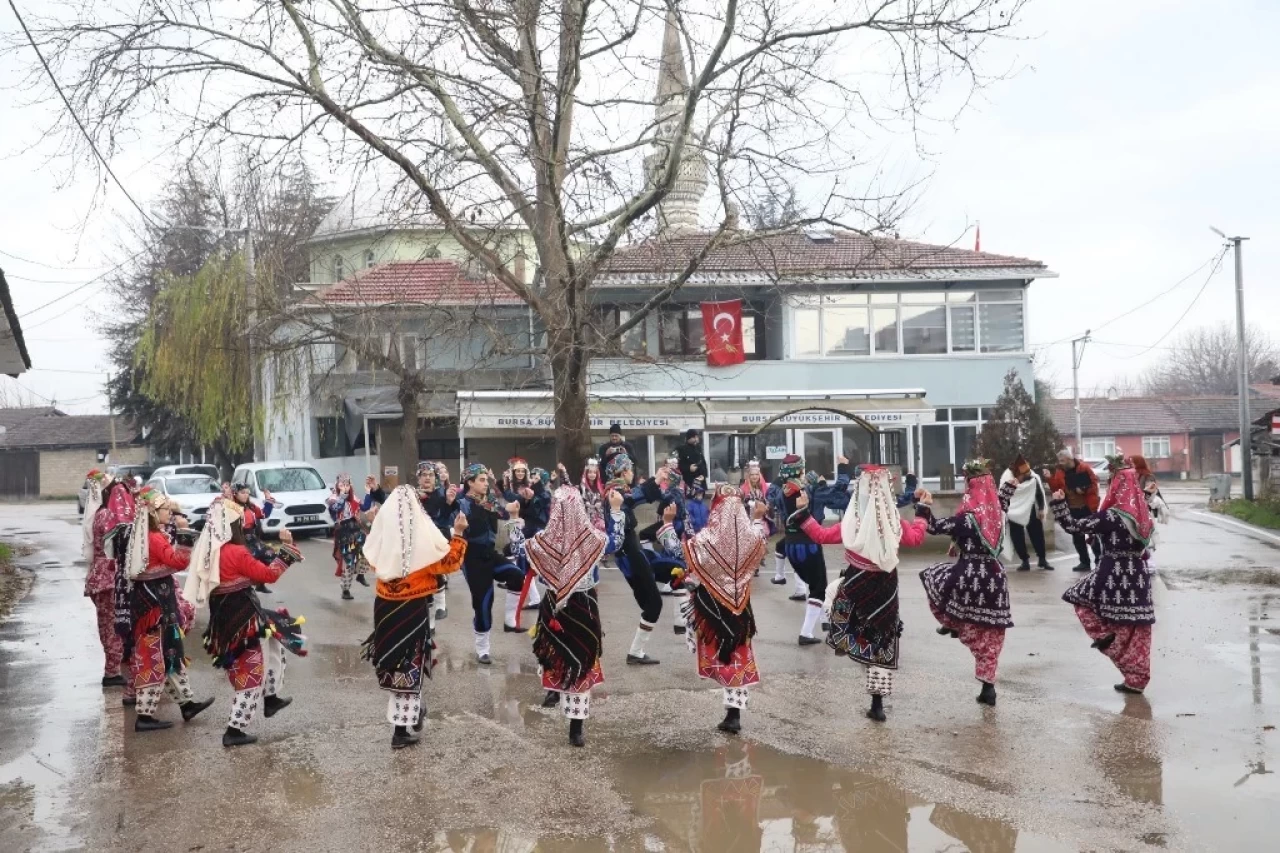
424, 581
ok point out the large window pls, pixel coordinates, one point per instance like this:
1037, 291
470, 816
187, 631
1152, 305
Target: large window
1155, 446
680, 332
908, 324
1097, 448
634, 342
339, 268
951, 440
331, 438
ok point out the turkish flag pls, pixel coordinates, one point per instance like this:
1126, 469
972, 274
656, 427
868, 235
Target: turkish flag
722, 330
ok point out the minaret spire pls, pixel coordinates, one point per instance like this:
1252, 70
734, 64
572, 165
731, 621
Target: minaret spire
679, 210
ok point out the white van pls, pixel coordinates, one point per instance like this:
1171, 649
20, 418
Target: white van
300, 494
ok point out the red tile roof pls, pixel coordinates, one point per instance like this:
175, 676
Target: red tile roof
424, 282
795, 252
1101, 416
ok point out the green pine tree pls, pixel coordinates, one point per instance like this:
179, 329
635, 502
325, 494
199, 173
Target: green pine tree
1018, 425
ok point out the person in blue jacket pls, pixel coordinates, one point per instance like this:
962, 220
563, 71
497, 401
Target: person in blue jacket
483, 564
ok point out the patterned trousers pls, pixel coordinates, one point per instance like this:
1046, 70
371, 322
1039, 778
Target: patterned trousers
104, 603
1130, 651
880, 681
577, 706
982, 641
735, 697
403, 709
177, 685
246, 675
349, 569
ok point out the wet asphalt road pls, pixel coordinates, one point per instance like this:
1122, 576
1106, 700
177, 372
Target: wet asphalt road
1063, 763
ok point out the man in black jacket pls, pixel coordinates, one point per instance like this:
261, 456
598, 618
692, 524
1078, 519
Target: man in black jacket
690, 459
615, 445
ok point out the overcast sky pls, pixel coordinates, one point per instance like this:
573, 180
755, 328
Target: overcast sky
1130, 129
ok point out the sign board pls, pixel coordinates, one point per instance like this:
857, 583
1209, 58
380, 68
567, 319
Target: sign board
775, 451
639, 424
391, 471
738, 420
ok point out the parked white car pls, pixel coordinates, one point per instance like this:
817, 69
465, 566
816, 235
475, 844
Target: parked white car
299, 492
192, 492
210, 471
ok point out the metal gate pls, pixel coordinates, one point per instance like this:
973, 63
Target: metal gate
19, 474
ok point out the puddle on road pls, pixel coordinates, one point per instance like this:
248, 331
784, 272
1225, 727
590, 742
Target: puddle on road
745, 798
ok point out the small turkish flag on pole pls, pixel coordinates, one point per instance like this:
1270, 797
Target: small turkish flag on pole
722, 329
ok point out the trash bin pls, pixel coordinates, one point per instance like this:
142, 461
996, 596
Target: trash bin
1219, 488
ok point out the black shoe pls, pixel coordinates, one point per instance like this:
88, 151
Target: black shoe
551, 700
877, 709
274, 704
129, 701
949, 632
1046, 565
988, 694
113, 681
508, 629
347, 596
1083, 567
422, 720
484, 660
235, 737
150, 724
1024, 566
777, 581
679, 629
641, 660
575, 733
1103, 643
732, 722
809, 641
1124, 688
537, 606
825, 626
442, 614
360, 579
190, 709
262, 588
797, 596
402, 737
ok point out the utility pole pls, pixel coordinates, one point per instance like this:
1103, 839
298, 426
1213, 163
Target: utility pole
1076, 359
251, 294
1242, 368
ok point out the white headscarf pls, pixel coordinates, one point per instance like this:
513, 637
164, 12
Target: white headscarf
91, 507
204, 572
403, 539
872, 527
1023, 502
138, 557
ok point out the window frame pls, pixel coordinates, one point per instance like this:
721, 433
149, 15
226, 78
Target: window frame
1090, 442
339, 268
1162, 442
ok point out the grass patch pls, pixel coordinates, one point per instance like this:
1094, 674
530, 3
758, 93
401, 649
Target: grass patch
1263, 513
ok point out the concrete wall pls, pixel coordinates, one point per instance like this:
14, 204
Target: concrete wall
62, 471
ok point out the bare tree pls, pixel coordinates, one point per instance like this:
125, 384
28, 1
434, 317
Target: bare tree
535, 113
1205, 361
14, 396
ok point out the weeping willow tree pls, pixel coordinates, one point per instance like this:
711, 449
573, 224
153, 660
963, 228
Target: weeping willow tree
194, 352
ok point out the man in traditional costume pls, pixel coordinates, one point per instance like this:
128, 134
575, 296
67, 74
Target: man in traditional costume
621, 522
1114, 602
253, 515
159, 659
970, 597
483, 564
1076, 478
568, 637
722, 559
805, 555
668, 563
863, 602
1028, 504
103, 511
245, 639
409, 556
438, 502
348, 535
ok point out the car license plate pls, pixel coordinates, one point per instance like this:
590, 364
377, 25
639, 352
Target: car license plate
307, 519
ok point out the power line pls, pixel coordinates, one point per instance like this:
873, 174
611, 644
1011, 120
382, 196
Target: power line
30, 280
71, 111
96, 278
46, 266
1217, 266
60, 314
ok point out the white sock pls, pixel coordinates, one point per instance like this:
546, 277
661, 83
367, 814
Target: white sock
535, 594
482, 643
812, 615
681, 596
431, 619
802, 588
779, 567
641, 642
441, 603
513, 607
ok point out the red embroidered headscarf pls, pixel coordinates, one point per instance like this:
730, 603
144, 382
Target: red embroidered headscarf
569, 546
982, 504
724, 555
1126, 499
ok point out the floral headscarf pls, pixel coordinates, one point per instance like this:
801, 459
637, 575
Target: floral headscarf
619, 463
982, 504
1126, 499
568, 547
725, 554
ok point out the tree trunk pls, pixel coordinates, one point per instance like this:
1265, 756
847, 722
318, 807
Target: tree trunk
408, 451
572, 412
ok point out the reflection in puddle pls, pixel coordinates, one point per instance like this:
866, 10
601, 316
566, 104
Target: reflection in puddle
1126, 750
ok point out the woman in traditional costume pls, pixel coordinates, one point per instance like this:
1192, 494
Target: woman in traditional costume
483, 564
863, 602
803, 553
159, 659
438, 502
632, 562
109, 507
756, 489
348, 535
1113, 602
970, 597
722, 560
244, 639
591, 487
567, 640
409, 556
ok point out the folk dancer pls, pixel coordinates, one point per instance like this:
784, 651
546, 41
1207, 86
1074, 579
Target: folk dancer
722, 560
756, 489
805, 555
95, 482
1114, 602
253, 515
1077, 480
159, 659
695, 506
483, 565
116, 518
438, 502
970, 597
409, 556
1155, 501
1028, 505
630, 557
243, 638
102, 511
668, 563
527, 487
863, 602
567, 640
348, 535
591, 487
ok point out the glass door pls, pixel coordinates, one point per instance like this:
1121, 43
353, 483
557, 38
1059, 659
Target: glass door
818, 447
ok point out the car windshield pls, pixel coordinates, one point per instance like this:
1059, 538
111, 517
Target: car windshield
290, 480
192, 486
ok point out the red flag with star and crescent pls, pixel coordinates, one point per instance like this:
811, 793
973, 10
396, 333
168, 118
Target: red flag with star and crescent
722, 330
